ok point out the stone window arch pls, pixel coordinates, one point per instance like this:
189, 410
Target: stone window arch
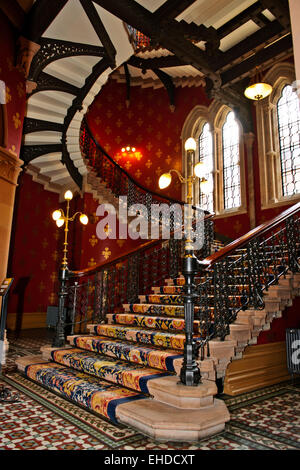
215, 116
271, 156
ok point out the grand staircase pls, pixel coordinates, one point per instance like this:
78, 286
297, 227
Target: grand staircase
126, 368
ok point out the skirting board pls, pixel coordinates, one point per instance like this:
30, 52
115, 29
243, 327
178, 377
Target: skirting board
27, 321
260, 366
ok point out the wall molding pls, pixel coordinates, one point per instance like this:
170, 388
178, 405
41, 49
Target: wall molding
28, 321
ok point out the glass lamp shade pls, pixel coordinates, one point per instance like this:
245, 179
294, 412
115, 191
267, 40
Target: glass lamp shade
164, 180
60, 222
199, 169
204, 186
258, 91
56, 215
190, 144
68, 195
84, 219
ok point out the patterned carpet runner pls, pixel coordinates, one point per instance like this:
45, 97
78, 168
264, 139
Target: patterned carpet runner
117, 360
147, 356
93, 393
128, 375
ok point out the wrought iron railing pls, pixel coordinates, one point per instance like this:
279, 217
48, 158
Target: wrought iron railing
237, 276
92, 293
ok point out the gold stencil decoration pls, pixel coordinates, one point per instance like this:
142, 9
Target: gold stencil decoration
17, 120
53, 277
106, 253
148, 164
120, 243
93, 241
92, 263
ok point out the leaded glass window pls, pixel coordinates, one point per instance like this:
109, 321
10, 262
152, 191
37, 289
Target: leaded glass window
231, 162
206, 157
289, 132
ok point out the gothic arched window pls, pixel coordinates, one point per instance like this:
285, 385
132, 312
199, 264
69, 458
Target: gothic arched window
231, 162
289, 134
206, 156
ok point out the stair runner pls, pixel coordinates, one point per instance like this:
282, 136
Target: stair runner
115, 362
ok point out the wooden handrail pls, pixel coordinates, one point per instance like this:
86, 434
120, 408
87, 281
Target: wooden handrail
143, 247
244, 239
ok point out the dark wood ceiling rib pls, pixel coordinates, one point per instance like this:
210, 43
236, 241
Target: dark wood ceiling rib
99, 28
167, 36
240, 19
172, 8
272, 52
39, 18
168, 84
156, 63
280, 9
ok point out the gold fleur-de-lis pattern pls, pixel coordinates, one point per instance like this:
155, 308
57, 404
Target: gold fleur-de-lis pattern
147, 124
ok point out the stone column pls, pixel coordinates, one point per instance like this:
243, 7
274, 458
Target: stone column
295, 14
9, 172
249, 139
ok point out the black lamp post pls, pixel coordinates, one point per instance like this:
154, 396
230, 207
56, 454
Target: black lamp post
62, 219
190, 372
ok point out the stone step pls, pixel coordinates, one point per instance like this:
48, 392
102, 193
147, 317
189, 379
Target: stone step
92, 393
140, 335
148, 356
178, 299
125, 374
239, 333
156, 309
152, 322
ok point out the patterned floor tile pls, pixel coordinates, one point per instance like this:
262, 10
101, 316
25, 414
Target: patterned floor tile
267, 419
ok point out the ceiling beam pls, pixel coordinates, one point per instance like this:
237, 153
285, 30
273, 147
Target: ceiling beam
239, 20
271, 52
255, 40
172, 8
156, 63
167, 36
40, 18
100, 30
280, 9
168, 84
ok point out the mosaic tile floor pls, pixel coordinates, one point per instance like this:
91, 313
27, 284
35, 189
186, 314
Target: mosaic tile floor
268, 419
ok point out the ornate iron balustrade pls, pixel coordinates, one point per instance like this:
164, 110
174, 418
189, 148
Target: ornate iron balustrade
92, 293
236, 277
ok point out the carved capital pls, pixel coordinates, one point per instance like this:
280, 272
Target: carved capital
27, 51
10, 166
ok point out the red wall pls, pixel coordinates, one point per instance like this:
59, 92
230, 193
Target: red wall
290, 319
148, 124
35, 251
15, 85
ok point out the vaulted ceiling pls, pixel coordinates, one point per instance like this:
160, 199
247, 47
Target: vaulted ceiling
214, 43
